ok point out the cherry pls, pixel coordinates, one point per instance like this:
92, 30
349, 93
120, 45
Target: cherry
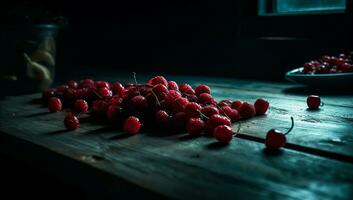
172, 85
232, 114
71, 122
313, 102
163, 118
118, 89
113, 113
105, 92
61, 88
179, 120
186, 89
158, 80
206, 99
47, 94
261, 106
199, 89
236, 105
192, 109
209, 110
247, 110
195, 126
276, 139
72, 84
132, 125
54, 104
101, 84
138, 102
100, 107
225, 102
216, 120
223, 134
159, 89
179, 104
87, 83
81, 106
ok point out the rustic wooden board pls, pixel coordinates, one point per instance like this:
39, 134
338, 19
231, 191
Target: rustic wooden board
178, 166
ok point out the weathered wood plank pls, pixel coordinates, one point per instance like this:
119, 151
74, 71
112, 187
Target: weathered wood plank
180, 167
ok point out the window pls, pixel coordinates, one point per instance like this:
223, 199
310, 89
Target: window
290, 7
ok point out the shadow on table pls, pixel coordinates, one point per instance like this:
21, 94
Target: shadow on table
328, 91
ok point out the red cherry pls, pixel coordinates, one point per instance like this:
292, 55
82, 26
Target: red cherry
172, 85
247, 110
138, 102
202, 89
186, 89
100, 107
261, 106
209, 110
231, 113
54, 104
81, 106
223, 134
195, 126
61, 89
159, 89
158, 80
47, 94
113, 113
192, 109
179, 104
118, 89
313, 102
206, 99
216, 120
132, 125
72, 84
105, 92
101, 84
225, 102
236, 105
345, 67
179, 120
71, 122
163, 118
276, 139
87, 83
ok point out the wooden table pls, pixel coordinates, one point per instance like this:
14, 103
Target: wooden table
317, 163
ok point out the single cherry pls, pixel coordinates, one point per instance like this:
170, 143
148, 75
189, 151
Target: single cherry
216, 120
81, 106
195, 126
132, 125
54, 104
199, 89
261, 106
276, 139
313, 102
71, 122
223, 134
247, 110
192, 109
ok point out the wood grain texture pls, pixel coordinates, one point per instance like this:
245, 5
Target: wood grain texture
180, 167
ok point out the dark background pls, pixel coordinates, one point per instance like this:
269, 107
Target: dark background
225, 38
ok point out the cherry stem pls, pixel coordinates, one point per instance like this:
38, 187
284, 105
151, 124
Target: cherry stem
202, 114
96, 93
154, 94
134, 73
222, 111
292, 126
238, 130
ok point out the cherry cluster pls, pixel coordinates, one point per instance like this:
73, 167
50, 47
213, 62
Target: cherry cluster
158, 104
329, 65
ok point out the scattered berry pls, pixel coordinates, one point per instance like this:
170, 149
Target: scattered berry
313, 102
261, 106
71, 122
236, 105
81, 106
209, 110
276, 139
223, 134
132, 125
202, 89
232, 114
247, 110
54, 104
216, 120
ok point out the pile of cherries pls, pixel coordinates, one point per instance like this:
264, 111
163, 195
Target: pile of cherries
329, 65
159, 104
